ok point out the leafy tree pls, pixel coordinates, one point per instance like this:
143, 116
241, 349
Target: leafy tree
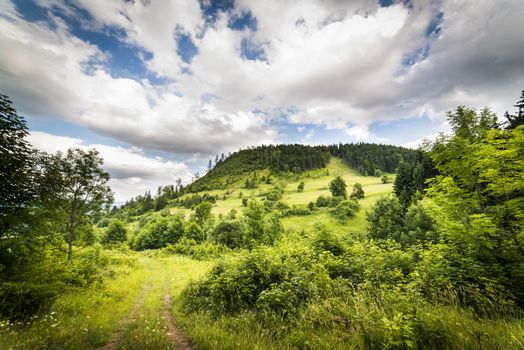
203, 212
300, 187
229, 233
388, 219
337, 186
158, 234
254, 221
115, 232
357, 192
384, 179
84, 193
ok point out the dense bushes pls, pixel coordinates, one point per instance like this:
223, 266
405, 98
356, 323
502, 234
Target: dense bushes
159, 233
114, 233
272, 280
229, 233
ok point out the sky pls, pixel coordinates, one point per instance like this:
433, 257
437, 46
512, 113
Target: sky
159, 87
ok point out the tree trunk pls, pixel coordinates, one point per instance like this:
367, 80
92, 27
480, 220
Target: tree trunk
70, 246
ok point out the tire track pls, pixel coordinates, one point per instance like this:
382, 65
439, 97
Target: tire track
174, 334
117, 335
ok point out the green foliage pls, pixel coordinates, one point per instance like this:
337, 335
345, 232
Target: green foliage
337, 187
229, 233
385, 179
388, 219
368, 158
324, 240
203, 212
114, 233
158, 234
346, 209
323, 201
300, 187
410, 181
195, 232
254, 222
275, 281
275, 194
357, 192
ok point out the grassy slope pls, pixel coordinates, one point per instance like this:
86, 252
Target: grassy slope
316, 184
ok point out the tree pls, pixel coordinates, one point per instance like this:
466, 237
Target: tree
300, 187
357, 192
203, 212
514, 121
16, 166
115, 232
254, 221
229, 233
385, 179
337, 186
84, 192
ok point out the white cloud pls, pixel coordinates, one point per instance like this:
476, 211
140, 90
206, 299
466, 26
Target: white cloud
69, 82
336, 64
132, 171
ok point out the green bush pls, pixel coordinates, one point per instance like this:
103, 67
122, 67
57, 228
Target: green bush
346, 209
228, 233
159, 233
276, 281
19, 300
323, 201
116, 232
357, 192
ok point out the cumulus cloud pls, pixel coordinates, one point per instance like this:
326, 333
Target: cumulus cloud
132, 171
337, 64
50, 72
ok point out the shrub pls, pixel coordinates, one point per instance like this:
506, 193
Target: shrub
114, 233
194, 231
297, 210
159, 233
274, 280
323, 201
357, 192
229, 233
346, 209
300, 187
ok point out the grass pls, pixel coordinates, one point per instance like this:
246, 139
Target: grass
316, 184
355, 324
89, 318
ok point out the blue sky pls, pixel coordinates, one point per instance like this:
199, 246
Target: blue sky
160, 87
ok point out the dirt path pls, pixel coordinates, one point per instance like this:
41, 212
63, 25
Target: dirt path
175, 335
117, 335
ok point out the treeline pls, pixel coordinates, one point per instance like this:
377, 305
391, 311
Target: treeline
276, 158
370, 158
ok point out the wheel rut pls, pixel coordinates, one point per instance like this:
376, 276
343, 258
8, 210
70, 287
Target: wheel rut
180, 341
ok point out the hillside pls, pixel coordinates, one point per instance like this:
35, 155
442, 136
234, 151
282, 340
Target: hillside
286, 247
278, 159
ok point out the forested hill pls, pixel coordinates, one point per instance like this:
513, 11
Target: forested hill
366, 158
